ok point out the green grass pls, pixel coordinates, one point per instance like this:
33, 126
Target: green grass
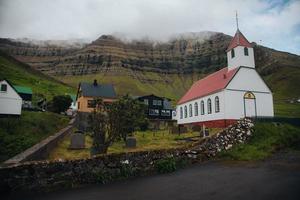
146, 140
287, 109
18, 134
21, 74
267, 139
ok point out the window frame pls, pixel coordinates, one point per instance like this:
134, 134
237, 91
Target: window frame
91, 103
155, 113
232, 53
246, 51
3, 85
185, 111
190, 110
202, 106
181, 113
209, 107
196, 109
217, 104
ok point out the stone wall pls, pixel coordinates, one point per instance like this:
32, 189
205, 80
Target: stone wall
46, 175
41, 150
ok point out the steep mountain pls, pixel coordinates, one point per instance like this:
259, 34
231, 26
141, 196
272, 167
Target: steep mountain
145, 66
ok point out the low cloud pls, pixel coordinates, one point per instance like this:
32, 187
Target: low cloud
275, 24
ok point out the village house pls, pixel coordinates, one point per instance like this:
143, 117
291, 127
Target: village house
88, 92
157, 107
234, 92
26, 95
10, 100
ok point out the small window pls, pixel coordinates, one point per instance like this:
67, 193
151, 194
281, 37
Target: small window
217, 104
146, 101
91, 103
181, 113
158, 102
154, 102
78, 105
3, 87
165, 113
191, 110
202, 108
246, 51
209, 106
154, 112
185, 112
196, 109
232, 53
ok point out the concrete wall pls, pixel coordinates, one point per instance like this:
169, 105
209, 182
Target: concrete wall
41, 150
240, 59
10, 101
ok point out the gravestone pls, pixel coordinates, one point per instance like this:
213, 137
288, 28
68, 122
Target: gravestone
130, 142
77, 141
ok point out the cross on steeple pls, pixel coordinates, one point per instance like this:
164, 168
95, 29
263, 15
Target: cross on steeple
237, 20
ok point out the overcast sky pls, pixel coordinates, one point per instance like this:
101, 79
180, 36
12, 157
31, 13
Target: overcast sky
273, 23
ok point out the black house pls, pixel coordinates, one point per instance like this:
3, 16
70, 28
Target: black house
157, 107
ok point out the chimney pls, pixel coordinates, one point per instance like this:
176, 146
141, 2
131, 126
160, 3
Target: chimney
95, 83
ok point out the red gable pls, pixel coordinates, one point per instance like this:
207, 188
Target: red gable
208, 85
238, 40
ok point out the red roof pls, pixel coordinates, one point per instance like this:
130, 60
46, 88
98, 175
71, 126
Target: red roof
238, 40
208, 85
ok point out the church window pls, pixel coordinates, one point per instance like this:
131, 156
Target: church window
209, 106
181, 113
185, 112
191, 110
217, 104
202, 108
232, 53
246, 51
196, 109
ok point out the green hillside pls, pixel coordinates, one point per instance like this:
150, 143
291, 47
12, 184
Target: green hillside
21, 74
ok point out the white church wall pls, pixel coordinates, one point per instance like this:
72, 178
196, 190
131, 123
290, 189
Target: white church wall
240, 59
206, 117
248, 79
234, 101
10, 101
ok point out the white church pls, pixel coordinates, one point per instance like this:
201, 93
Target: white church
234, 92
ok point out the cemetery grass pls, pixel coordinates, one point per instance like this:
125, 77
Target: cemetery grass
19, 133
146, 140
267, 139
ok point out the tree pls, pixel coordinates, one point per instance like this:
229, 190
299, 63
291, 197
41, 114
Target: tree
60, 103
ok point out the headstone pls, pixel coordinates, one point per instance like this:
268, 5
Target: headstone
77, 141
130, 142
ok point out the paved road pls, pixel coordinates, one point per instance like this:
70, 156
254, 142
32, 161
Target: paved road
277, 178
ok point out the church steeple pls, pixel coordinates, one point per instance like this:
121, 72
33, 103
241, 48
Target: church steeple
239, 51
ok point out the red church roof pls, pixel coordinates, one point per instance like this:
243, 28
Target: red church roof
208, 85
238, 40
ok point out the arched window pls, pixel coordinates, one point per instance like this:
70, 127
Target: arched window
191, 110
181, 113
196, 109
246, 51
185, 112
202, 108
209, 106
232, 53
217, 104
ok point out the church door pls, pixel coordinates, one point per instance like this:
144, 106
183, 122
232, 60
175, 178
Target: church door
249, 105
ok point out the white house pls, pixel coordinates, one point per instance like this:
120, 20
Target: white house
232, 93
10, 100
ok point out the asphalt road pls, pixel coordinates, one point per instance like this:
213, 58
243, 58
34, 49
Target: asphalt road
276, 178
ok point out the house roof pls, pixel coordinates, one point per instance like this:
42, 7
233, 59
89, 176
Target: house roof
208, 85
238, 40
22, 89
98, 90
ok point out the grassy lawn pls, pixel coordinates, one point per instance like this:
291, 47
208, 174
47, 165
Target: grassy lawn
267, 138
18, 134
287, 109
147, 140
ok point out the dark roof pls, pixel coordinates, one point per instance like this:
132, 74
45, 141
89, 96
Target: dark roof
23, 90
152, 95
99, 90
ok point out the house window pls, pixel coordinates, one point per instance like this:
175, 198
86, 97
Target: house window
91, 103
196, 109
217, 104
202, 108
154, 112
157, 102
181, 113
146, 101
165, 113
78, 105
185, 112
191, 110
209, 106
232, 53
246, 51
3, 87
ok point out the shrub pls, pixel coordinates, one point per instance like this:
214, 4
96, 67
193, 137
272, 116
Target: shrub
166, 165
